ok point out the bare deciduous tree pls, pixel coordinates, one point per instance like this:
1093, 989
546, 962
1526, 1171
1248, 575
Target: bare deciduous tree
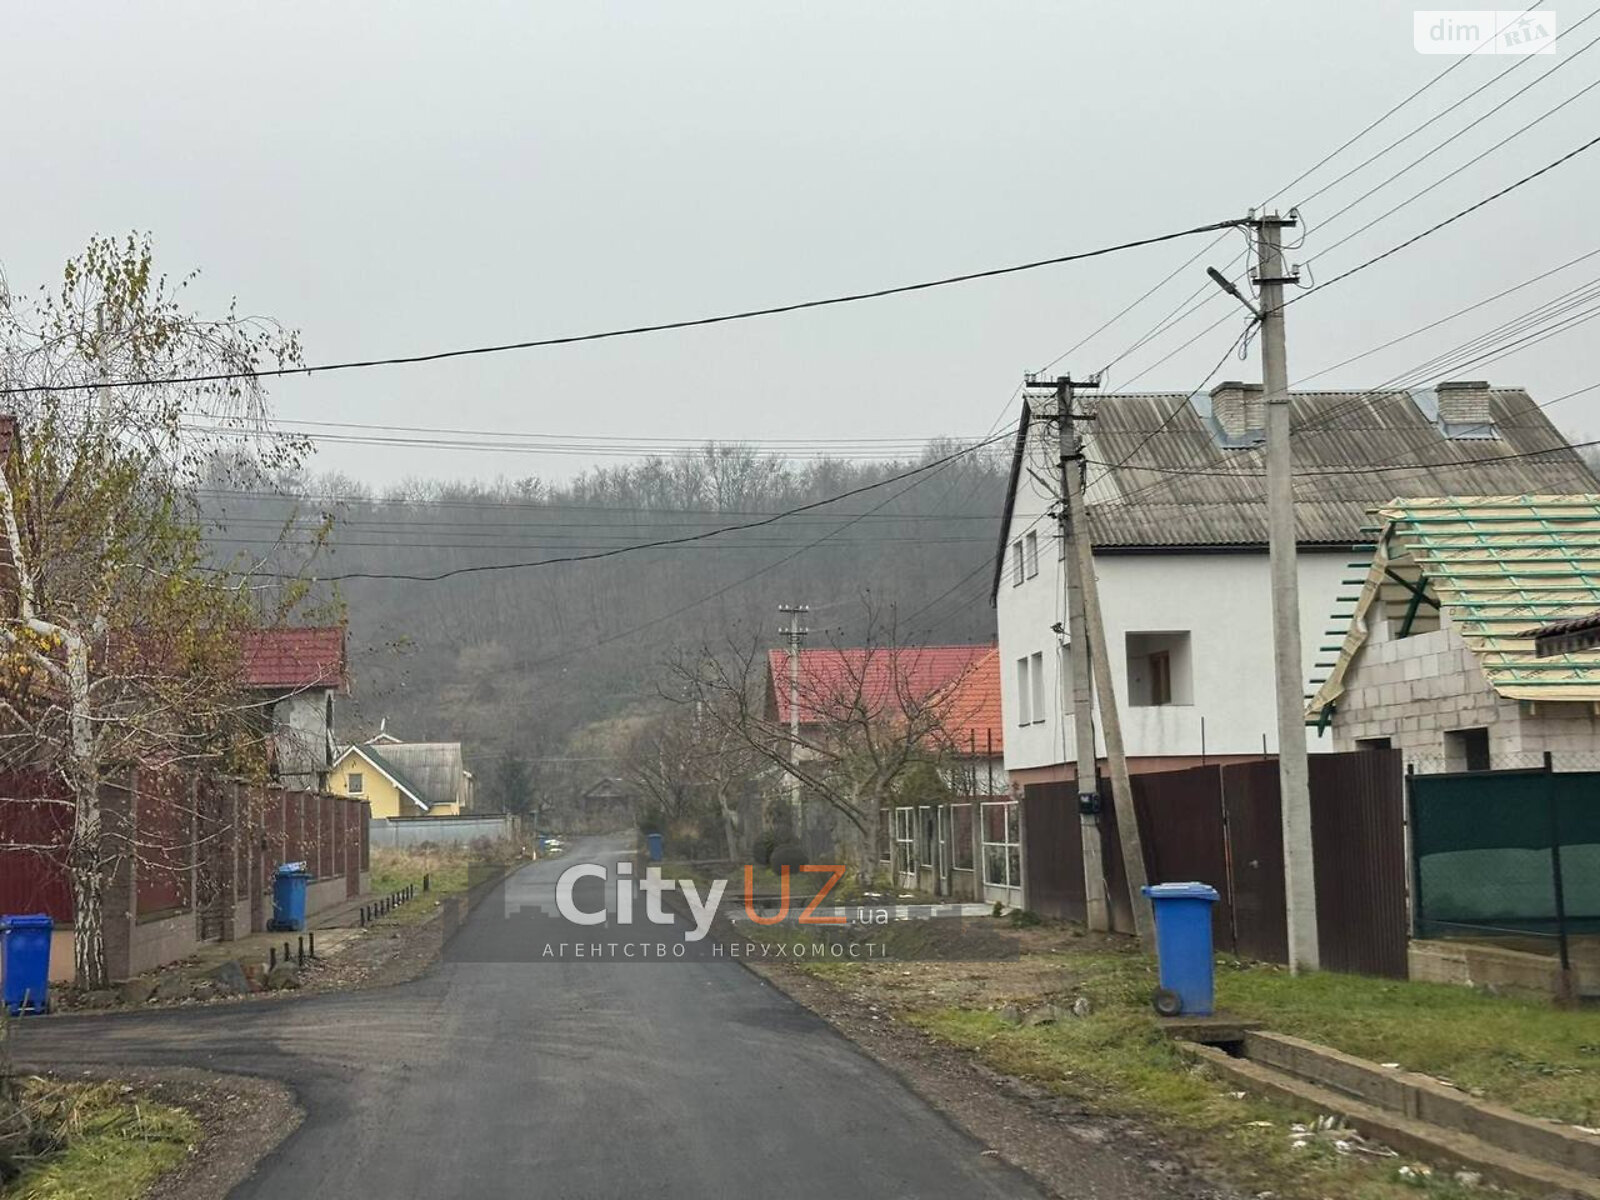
120, 636
867, 724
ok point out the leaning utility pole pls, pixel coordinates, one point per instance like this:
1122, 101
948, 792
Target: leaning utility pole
1300, 889
795, 635
1079, 550
1096, 915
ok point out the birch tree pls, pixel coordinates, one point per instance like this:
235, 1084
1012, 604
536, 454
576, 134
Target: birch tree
119, 640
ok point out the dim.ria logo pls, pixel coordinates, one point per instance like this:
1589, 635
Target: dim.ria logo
702, 908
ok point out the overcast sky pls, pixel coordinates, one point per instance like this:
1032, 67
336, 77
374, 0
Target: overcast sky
398, 178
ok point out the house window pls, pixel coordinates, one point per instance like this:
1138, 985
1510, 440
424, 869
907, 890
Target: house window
1024, 693
1379, 743
1036, 670
1017, 575
885, 845
1159, 670
1002, 844
1467, 749
1031, 553
353, 783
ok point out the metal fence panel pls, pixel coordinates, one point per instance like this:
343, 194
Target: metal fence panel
1054, 849
1180, 825
1253, 810
1358, 837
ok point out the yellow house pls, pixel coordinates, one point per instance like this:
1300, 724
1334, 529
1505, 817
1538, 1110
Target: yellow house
404, 779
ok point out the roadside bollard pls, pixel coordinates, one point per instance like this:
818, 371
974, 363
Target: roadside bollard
272, 957
424, 883
311, 944
300, 952
285, 949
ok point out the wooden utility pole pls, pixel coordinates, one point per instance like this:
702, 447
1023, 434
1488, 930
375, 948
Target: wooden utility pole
1080, 551
1097, 915
1300, 888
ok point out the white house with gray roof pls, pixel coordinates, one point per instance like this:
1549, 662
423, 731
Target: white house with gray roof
1180, 538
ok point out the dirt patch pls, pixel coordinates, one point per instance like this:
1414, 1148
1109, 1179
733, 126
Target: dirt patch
1068, 1149
241, 1119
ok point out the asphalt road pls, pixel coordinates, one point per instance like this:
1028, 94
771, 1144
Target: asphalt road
512, 1071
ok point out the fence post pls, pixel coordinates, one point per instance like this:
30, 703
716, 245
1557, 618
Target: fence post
1416, 853
1565, 991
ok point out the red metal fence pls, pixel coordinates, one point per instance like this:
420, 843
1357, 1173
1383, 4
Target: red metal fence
36, 819
186, 834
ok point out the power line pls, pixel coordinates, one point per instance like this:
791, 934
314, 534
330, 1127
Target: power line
1450, 220
632, 331
660, 542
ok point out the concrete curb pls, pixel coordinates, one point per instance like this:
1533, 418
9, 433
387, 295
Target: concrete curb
1406, 1134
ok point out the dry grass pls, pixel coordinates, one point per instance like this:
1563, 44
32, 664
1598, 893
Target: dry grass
1116, 1060
93, 1141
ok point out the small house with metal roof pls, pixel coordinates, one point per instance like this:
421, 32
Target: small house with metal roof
1474, 641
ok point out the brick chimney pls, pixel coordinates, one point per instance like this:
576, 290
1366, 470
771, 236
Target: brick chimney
1239, 408
1464, 402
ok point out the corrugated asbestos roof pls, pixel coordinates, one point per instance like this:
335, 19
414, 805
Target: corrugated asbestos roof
1180, 486
1500, 567
435, 768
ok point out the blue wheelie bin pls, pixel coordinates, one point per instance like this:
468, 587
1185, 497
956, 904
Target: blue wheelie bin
1183, 948
655, 842
25, 950
289, 898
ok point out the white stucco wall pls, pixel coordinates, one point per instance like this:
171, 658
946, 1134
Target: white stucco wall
1224, 602
304, 737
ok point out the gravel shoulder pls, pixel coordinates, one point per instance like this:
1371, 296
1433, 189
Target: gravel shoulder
1066, 1148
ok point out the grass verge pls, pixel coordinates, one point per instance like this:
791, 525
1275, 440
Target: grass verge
450, 871
97, 1141
1116, 1060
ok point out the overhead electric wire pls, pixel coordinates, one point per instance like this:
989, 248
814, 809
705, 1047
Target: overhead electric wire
1486, 84
660, 542
630, 331
724, 590
1448, 221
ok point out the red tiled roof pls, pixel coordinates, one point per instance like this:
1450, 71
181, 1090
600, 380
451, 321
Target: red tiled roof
295, 658
972, 719
881, 675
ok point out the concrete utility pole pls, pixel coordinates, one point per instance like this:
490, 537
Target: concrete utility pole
1300, 888
1097, 916
796, 635
1079, 549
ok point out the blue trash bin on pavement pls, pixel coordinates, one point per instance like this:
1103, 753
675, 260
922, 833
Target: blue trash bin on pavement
655, 841
289, 898
25, 961
1183, 948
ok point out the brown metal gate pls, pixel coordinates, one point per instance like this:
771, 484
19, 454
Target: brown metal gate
1255, 859
1359, 839
1180, 824
1053, 850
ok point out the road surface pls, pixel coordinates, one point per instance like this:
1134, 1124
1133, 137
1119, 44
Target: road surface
503, 1073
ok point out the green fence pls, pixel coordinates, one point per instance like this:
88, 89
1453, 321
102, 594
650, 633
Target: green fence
1506, 853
